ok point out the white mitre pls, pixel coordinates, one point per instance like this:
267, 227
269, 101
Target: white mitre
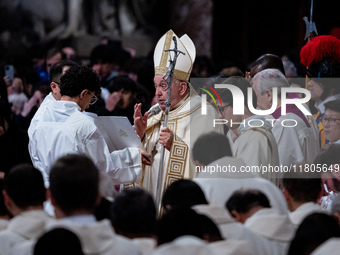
184, 63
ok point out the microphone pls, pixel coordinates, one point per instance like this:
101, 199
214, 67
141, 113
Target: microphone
154, 110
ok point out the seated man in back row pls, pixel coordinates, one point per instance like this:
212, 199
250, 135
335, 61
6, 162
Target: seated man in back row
64, 129
212, 152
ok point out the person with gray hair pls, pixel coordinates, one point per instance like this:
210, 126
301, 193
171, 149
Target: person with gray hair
297, 140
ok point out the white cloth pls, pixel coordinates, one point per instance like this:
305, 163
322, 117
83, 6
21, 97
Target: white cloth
297, 216
219, 186
146, 245
188, 245
321, 106
337, 141
26, 226
39, 114
274, 227
232, 230
257, 146
97, 237
331, 246
18, 101
231, 137
295, 144
187, 123
105, 93
231, 247
63, 129
327, 201
3, 224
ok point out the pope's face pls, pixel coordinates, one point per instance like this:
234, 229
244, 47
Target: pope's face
161, 91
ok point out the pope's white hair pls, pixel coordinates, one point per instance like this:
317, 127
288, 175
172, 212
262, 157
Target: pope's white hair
269, 79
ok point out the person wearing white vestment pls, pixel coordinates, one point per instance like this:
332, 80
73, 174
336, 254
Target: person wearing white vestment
24, 195
295, 137
219, 174
252, 208
328, 247
64, 129
133, 215
189, 245
255, 143
234, 231
74, 186
301, 191
313, 231
56, 72
185, 123
183, 231
187, 194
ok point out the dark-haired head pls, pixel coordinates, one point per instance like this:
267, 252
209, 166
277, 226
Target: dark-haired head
133, 213
79, 78
210, 147
58, 241
313, 231
244, 203
24, 185
74, 182
183, 194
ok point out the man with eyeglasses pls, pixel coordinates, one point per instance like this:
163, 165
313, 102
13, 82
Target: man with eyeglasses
253, 140
65, 129
331, 121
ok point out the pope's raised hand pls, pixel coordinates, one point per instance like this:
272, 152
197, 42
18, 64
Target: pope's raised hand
165, 137
140, 121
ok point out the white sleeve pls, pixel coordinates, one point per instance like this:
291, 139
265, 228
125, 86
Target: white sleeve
123, 166
289, 148
127, 165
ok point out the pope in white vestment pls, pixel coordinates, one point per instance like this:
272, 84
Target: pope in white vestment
186, 121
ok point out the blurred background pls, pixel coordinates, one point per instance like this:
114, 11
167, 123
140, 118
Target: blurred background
227, 32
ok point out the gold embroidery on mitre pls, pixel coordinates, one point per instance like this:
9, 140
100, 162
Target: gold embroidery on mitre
167, 44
